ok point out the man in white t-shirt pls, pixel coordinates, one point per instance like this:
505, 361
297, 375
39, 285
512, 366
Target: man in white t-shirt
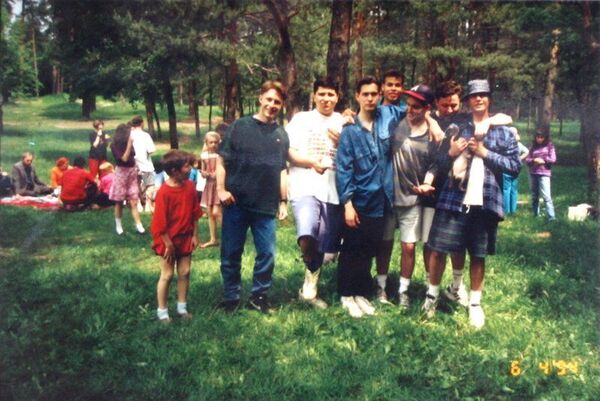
311, 183
143, 145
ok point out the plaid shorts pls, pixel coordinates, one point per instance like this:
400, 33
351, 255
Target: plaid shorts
474, 231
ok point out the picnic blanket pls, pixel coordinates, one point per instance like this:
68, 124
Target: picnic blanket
47, 202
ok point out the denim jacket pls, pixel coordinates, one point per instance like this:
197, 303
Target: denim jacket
364, 169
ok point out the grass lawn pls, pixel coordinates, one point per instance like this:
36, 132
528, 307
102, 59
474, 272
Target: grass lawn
77, 306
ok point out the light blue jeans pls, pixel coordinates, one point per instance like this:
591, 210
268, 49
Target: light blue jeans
540, 186
236, 222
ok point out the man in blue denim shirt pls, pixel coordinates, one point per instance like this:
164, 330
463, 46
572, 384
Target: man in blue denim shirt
467, 216
365, 187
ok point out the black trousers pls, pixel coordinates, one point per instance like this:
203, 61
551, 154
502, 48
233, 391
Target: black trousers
359, 246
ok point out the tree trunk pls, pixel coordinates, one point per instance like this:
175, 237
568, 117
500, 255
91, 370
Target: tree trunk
590, 124
546, 116
56, 80
210, 100
338, 53
88, 105
157, 120
149, 106
35, 63
168, 96
358, 30
230, 31
194, 106
1, 115
287, 60
231, 73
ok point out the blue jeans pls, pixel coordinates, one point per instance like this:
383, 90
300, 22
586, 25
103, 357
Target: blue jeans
540, 185
236, 222
510, 193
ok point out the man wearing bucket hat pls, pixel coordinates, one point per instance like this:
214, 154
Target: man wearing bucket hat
448, 114
467, 219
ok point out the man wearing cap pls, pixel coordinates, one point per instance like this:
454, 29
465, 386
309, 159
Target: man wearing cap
413, 154
467, 219
389, 114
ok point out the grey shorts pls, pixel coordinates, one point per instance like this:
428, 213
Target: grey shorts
146, 180
319, 220
407, 220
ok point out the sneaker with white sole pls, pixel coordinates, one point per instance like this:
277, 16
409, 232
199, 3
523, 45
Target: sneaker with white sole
364, 305
350, 305
430, 306
476, 316
459, 295
382, 296
403, 300
315, 301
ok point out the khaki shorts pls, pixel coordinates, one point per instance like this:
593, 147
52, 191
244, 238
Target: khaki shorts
408, 220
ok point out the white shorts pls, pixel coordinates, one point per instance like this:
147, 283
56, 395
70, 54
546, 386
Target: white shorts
426, 220
408, 220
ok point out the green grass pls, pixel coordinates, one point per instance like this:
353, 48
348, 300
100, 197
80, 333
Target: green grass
77, 307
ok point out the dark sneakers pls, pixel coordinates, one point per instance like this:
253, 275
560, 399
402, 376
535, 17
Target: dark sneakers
229, 306
259, 303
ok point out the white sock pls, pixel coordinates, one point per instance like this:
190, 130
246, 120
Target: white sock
475, 297
434, 290
118, 226
456, 278
140, 228
162, 314
404, 283
182, 308
381, 280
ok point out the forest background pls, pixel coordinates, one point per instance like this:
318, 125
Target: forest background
541, 58
77, 302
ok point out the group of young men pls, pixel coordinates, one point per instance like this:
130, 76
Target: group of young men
354, 178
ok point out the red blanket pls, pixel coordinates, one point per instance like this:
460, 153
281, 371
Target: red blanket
43, 202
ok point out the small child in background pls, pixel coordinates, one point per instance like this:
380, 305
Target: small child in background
175, 231
210, 199
107, 174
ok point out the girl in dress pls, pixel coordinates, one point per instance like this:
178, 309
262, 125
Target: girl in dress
210, 200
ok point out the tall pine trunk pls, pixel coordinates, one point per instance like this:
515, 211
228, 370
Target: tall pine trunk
149, 106
287, 60
546, 115
193, 102
88, 105
338, 53
168, 96
590, 123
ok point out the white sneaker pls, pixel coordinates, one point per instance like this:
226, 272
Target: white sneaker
350, 305
364, 305
382, 296
403, 300
430, 306
459, 295
476, 316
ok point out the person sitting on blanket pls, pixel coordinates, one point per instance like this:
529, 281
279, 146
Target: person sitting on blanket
25, 179
78, 186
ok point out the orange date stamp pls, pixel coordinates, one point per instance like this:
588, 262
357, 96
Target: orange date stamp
558, 367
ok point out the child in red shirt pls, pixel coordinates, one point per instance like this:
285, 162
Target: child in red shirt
175, 231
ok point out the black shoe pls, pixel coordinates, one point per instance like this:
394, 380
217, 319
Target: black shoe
229, 306
259, 303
